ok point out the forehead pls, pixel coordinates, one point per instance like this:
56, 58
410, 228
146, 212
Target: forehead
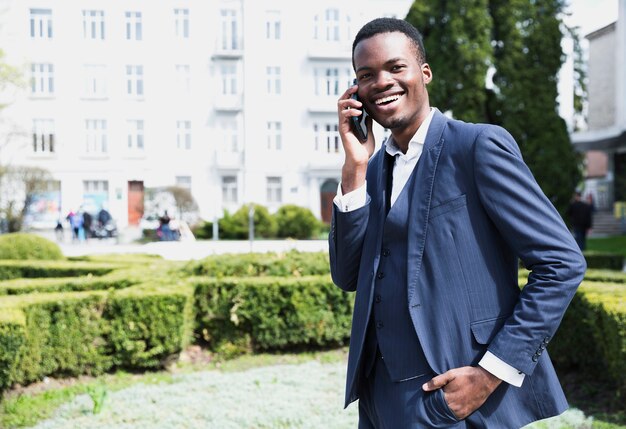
382, 47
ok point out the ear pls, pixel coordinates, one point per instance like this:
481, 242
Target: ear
427, 73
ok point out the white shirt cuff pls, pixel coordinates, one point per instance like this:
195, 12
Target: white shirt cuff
501, 369
352, 200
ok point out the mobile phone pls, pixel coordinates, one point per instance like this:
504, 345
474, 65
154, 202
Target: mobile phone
358, 122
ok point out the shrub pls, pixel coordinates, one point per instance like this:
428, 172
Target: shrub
32, 269
274, 313
601, 260
296, 222
28, 246
236, 226
292, 263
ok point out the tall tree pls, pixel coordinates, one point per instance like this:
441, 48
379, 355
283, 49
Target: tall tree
509, 76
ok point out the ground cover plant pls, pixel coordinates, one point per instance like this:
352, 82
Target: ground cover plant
96, 315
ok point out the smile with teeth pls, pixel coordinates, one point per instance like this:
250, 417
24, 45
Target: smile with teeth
388, 99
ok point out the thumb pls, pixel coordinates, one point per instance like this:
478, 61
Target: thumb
439, 381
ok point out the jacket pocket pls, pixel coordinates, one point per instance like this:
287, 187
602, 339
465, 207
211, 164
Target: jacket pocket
485, 330
448, 206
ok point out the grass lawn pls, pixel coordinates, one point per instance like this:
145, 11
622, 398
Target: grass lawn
616, 244
290, 391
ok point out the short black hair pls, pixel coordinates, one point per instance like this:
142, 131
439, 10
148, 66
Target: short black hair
390, 25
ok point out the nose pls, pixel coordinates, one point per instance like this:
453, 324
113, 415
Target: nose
384, 80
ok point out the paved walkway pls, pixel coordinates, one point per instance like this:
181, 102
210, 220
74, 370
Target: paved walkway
188, 250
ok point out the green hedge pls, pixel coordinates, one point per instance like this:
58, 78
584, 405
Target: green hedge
41, 269
92, 332
272, 313
23, 246
292, 263
603, 260
117, 280
592, 336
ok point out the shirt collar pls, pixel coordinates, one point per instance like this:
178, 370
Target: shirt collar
415, 144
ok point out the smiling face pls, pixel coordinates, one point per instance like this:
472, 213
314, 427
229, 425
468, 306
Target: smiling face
392, 83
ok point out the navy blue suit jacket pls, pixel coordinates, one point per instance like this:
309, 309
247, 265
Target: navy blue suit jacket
475, 209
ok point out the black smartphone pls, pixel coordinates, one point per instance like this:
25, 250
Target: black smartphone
358, 122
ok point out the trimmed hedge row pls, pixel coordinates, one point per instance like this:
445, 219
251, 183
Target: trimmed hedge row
292, 263
272, 313
92, 332
604, 260
42, 269
592, 336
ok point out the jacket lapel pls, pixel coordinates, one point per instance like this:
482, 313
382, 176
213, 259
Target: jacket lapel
419, 205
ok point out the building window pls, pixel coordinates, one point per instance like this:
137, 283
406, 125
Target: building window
274, 135
135, 135
332, 81
42, 79
93, 24
183, 182
229, 78
134, 81
230, 135
181, 23
95, 195
326, 26
183, 135
229, 189
274, 190
133, 25
43, 136
230, 34
96, 136
327, 138
95, 80
41, 23
273, 80
183, 78
272, 25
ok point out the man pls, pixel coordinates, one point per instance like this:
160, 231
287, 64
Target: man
580, 215
428, 232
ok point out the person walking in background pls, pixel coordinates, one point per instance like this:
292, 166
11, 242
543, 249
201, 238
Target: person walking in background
428, 232
580, 216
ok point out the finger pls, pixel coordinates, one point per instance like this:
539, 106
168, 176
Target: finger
439, 381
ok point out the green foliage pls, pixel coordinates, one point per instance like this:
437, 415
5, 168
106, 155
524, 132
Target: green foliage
275, 313
98, 394
600, 260
615, 244
236, 225
296, 222
592, 336
292, 263
40, 269
23, 246
520, 41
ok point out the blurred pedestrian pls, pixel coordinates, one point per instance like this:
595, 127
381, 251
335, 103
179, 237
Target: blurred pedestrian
580, 216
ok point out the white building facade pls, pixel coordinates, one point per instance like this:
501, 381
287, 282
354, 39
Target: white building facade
232, 99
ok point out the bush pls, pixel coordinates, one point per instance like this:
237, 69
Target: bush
31, 269
273, 313
296, 222
236, 226
292, 263
603, 260
28, 246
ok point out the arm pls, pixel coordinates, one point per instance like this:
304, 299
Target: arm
348, 226
533, 228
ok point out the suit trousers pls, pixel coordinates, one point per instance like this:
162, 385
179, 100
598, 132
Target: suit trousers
385, 404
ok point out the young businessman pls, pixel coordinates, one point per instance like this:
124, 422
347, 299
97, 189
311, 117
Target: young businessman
428, 232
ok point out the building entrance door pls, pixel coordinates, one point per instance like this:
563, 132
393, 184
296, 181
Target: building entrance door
327, 194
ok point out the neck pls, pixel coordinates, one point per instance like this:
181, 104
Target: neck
402, 137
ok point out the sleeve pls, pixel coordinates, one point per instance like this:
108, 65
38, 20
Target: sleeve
352, 200
502, 370
533, 228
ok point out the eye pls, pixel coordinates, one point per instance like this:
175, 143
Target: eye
364, 76
397, 67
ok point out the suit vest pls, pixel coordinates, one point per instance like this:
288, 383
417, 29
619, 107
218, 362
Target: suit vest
390, 327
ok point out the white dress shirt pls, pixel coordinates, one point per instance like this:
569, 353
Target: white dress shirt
403, 166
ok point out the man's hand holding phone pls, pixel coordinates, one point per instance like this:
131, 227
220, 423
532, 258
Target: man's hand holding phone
357, 152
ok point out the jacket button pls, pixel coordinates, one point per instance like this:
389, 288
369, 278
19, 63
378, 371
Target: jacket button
379, 325
386, 252
381, 275
535, 358
378, 298
541, 347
